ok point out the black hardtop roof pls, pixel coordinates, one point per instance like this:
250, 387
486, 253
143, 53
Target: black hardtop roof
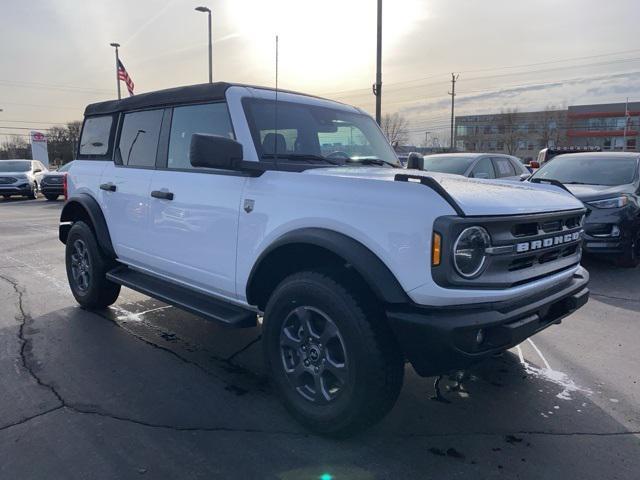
172, 96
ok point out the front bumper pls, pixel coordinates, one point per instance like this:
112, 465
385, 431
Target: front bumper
437, 340
52, 189
22, 189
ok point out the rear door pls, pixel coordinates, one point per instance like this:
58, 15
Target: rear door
194, 211
124, 185
504, 169
483, 168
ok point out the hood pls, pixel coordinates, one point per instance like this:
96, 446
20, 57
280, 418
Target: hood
13, 174
588, 193
475, 197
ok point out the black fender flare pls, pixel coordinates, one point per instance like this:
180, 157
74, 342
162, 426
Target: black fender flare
367, 264
84, 206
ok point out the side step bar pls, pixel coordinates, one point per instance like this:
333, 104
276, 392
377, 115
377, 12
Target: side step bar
185, 298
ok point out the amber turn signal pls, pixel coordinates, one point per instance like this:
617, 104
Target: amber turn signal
436, 249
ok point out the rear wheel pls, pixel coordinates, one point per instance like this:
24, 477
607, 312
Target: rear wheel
330, 353
86, 269
51, 197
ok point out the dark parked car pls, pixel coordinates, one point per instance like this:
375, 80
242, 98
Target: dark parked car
477, 165
609, 186
52, 183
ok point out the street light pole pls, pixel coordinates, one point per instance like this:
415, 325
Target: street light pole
208, 11
377, 87
116, 46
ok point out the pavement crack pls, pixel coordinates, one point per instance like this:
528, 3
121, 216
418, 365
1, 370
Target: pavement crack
24, 342
243, 349
613, 297
31, 417
180, 428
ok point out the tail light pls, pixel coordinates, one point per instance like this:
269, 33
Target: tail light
64, 186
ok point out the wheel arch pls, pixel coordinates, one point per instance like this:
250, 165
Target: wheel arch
320, 248
83, 207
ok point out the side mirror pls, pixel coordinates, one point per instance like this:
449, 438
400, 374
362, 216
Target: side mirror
214, 151
415, 161
524, 176
534, 164
37, 170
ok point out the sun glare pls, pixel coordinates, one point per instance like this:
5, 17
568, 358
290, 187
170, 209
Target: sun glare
322, 43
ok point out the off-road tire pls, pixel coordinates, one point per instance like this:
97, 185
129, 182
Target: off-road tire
98, 292
375, 362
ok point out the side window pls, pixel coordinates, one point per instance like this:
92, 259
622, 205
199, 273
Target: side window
503, 167
211, 118
518, 165
95, 136
483, 169
138, 142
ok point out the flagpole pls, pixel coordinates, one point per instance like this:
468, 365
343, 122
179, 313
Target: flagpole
116, 45
626, 121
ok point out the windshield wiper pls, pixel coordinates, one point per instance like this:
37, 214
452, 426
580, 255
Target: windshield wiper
578, 183
372, 161
305, 157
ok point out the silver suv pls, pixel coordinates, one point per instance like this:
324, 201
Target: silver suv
21, 177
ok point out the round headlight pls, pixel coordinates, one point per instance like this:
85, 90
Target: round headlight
469, 251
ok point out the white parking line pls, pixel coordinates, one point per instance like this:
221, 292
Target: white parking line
546, 364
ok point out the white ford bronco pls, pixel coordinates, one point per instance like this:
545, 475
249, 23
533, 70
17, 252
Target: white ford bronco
242, 204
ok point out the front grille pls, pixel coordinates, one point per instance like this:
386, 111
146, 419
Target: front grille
524, 248
7, 180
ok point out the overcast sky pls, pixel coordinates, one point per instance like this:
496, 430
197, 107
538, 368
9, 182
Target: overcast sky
55, 55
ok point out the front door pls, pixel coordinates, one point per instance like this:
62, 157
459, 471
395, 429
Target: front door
124, 185
193, 221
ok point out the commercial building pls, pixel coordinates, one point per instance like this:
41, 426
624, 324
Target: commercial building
523, 134
605, 126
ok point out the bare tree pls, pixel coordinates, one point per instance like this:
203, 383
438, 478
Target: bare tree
394, 127
550, 130
512, 135
15, 146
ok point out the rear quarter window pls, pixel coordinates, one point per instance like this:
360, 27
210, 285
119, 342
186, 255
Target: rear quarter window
96, 137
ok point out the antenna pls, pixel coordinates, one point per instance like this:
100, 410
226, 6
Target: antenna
275, 148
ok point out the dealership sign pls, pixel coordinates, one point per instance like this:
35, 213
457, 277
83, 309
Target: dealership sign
39, 147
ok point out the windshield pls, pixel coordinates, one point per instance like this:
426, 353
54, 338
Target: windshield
65, 167
447, 163
310, 132
590, 170
15, 165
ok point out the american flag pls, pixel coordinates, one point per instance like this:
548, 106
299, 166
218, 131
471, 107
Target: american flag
124, 76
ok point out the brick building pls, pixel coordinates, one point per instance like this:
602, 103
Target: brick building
523, 134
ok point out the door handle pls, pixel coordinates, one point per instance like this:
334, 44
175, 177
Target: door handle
109, 187
162, 194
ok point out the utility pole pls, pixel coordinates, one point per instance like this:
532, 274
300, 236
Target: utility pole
208, 11
116, 46
454, 79
377, 87
626, 121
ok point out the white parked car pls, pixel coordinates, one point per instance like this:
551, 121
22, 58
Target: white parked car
21, 177
216, 200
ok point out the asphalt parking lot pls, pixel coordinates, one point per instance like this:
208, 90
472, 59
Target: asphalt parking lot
145, 390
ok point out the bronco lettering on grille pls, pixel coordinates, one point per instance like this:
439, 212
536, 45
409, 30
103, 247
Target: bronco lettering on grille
547, 242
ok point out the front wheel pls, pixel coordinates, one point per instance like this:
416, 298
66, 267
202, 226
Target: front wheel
330, 354
86, 269
33, 195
